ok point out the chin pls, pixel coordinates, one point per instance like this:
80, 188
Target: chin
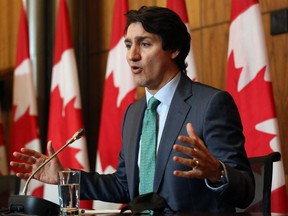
139, 82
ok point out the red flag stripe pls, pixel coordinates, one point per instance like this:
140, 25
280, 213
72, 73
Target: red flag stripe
241, 7
62, 39
119, 22
179, 7
114, 104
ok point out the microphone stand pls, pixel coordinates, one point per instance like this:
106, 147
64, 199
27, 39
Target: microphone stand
34, 205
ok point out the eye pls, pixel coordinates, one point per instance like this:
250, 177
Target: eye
128, 45
145, 44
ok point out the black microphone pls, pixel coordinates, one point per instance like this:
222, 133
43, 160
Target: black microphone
34, 205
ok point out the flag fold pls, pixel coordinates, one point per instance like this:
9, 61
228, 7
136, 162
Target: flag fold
119, 92
65, 114
24, 126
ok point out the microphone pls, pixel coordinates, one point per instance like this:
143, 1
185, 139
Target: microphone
75, 137
34, 205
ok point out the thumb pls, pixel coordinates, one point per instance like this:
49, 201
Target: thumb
50, 149
190, 130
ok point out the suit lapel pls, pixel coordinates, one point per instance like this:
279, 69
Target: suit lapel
177, 115
133, 147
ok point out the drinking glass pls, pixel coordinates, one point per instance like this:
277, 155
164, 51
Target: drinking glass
69, 192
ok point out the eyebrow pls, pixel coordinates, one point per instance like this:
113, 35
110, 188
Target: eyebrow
138, 38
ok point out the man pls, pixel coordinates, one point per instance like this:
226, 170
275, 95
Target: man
200, 167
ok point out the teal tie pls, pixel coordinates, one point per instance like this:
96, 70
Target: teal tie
148, 147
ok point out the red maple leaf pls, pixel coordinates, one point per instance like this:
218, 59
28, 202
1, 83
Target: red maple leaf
255, 104
38, 192
62, 126
23, 131
109, 144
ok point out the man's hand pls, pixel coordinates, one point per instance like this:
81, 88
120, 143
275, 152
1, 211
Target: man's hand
203, 164
31, 160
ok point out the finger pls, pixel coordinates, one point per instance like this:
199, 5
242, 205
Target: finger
191, 152
197, 142
37, 155
184, 174
24, 157
23, 175
23, 166
17, 155
186, 139
197, 164
182, 149
193, 163
50, 149
189, 174
28, 151
192, 137
30, 155
190, 130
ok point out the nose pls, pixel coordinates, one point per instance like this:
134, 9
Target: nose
133, 54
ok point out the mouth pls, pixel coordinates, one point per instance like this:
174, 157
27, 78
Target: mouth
136, 69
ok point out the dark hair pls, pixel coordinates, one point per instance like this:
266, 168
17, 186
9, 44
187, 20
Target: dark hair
168, 26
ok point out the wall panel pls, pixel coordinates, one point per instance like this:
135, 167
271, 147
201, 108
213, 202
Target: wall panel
213, 12
194, 13
100, 24
270, 5
196, 44
9, 19
214, 55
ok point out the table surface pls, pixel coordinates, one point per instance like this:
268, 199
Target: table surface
5, 211
116, 212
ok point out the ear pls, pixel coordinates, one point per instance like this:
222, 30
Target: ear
174, 53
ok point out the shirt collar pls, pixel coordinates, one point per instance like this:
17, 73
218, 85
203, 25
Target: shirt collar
165, 94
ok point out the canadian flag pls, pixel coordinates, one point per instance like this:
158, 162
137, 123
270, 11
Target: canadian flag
65, 116
3, 158
179, 6
248, 81
24, 127
119, 92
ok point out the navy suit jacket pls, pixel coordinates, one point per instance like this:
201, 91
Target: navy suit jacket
216, 120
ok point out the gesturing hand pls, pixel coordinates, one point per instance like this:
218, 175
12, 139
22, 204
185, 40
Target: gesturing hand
203, 164
32, 159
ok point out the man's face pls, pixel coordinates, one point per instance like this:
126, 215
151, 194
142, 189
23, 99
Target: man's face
152, 67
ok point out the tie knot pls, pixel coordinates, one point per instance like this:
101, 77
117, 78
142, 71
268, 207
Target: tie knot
153, 103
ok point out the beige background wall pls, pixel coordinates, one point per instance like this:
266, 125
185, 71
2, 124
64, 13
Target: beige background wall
91, 19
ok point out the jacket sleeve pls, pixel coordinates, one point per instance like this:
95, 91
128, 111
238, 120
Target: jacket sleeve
105, 187
223, 136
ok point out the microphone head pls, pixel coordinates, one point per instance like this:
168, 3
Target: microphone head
77, 135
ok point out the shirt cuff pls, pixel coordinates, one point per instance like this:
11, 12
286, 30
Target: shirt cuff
223, 181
